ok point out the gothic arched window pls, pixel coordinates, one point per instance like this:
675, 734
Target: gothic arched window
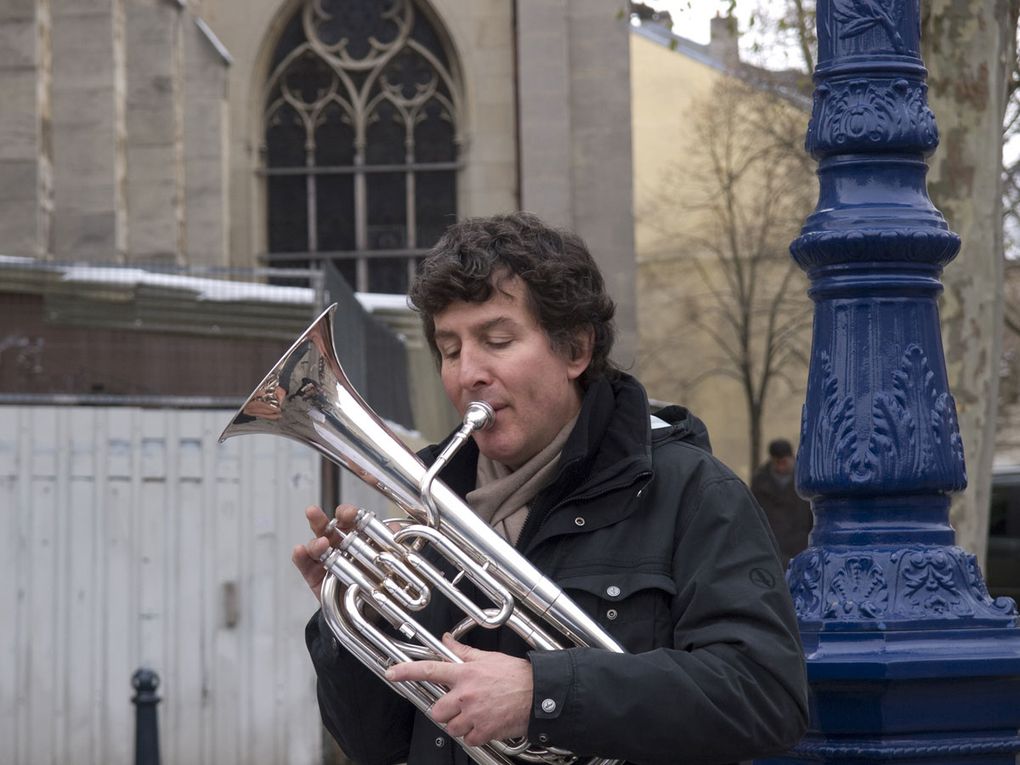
361, 141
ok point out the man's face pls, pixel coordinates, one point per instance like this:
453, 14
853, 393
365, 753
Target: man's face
497, 352
782, 465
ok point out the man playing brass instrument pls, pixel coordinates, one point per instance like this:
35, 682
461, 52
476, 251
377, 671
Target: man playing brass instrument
626, 510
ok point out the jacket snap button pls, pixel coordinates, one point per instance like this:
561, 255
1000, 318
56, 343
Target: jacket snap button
613, 591
543, 738
611, 614
440, 741
579, 521
548, 705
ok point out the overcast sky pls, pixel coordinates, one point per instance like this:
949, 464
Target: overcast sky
691, 20
691, 17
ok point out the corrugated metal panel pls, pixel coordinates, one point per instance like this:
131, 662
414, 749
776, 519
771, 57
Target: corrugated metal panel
126, 533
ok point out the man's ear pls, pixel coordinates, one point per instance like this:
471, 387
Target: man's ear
581, 351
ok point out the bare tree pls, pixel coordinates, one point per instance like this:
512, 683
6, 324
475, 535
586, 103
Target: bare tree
969, 50
733, 209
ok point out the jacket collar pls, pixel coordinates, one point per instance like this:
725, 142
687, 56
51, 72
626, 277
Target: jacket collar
609, 450
612, 436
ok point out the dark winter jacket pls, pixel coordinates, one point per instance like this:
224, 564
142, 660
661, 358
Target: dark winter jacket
649, 533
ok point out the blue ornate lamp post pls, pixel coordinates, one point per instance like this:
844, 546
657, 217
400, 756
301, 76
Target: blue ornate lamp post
910, 660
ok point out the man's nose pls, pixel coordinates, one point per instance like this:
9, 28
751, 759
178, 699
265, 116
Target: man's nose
474, 371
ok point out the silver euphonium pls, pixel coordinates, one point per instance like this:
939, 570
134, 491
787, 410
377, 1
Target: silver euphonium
308, 398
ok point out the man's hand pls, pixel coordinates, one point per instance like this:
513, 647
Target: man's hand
489, 694
306, 557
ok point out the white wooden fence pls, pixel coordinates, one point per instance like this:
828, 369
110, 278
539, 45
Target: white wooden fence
131, 538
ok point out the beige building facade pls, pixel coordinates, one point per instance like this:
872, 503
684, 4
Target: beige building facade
710, 254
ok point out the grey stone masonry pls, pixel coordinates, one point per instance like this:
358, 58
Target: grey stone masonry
543, 65
205, 140
601, 152
23, 58
576, 169
112, 132
88, 130
155, 172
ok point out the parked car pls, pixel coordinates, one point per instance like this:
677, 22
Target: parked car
1002, 567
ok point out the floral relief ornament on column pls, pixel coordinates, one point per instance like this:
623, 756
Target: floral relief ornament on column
908, 449
860, 16
858, 589
890, 586
862, 112
898, 447
930, 584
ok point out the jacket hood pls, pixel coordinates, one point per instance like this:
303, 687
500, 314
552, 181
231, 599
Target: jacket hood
684, 426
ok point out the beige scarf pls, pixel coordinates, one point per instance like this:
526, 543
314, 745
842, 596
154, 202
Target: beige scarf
502, 495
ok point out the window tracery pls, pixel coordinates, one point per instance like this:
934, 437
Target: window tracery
361, 144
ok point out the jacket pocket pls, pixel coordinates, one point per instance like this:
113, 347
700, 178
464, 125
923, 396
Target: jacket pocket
632, 606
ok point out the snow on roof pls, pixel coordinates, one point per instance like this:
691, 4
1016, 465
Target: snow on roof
204, 288
374, 301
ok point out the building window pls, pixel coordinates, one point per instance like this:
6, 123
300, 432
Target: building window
361, 143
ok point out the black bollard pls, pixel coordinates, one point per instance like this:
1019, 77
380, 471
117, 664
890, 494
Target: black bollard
145, 683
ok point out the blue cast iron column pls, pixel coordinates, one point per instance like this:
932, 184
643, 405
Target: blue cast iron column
909, 659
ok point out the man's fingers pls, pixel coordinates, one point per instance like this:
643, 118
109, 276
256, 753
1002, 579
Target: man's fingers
299, 557
459, 726
316, 548
476, 738
463, 652
446, 708
489, 694
442, 672
306, 557
308, 565
346, 515
317, 519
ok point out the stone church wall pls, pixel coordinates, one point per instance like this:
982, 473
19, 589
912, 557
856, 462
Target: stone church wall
109, 107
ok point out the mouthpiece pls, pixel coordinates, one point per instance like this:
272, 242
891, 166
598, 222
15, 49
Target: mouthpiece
479, 416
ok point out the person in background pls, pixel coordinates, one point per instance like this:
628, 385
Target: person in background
626, 509
789, 514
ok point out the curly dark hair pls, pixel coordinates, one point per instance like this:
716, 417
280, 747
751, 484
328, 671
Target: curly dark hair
566, 290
